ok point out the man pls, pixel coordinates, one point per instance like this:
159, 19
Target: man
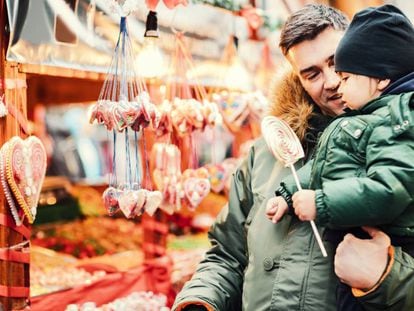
254, 264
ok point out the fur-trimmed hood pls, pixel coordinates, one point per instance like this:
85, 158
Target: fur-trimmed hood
289, 101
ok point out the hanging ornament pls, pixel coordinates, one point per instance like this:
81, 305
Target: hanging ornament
24, 169
186, 107
184, 110
196, 185
167, 175
122, 7
124, 100
124, 105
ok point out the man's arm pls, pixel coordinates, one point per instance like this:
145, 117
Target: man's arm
217, 283
381, 276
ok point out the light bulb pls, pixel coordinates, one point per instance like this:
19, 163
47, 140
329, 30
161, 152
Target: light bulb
150, 61
237, 77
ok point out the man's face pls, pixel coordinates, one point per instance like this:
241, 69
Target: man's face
313, 61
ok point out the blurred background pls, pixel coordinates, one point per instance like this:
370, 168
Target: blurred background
202, 69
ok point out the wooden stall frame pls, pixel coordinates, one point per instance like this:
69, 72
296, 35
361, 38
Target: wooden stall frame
14, 275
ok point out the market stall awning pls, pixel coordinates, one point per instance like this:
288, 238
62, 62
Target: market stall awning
81, 34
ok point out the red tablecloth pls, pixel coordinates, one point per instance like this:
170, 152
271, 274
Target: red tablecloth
152, 276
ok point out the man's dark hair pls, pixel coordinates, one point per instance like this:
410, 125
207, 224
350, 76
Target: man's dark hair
309, 22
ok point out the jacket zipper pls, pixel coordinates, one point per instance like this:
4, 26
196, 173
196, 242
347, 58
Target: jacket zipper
306, 276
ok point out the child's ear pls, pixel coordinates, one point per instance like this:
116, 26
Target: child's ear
382, 84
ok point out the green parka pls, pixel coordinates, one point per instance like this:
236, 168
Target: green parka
256, 265
363, 170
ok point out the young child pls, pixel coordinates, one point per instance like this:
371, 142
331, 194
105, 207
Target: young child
363, 169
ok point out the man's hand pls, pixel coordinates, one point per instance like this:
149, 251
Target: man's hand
304, 204
275, 209
361, 263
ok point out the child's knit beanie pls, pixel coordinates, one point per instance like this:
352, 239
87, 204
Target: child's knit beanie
378, 43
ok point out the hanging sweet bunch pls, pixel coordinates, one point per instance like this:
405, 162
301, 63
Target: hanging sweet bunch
186, 107
187, 188
237, 104
166, 174
124, 108
184, 110
179, 188
124, 100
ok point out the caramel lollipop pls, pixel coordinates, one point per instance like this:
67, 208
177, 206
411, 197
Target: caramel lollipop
286, 147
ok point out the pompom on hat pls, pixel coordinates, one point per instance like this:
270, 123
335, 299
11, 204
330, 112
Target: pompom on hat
379, 43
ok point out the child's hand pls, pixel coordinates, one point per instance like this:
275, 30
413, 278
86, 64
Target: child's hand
304, 204
275, 209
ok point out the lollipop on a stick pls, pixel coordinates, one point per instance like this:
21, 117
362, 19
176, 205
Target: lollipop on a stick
286, 147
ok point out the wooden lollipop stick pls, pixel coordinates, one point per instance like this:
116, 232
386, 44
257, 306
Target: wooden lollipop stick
315, 230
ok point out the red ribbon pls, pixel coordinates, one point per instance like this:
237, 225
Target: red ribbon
18, 116
14, 291
10, 255
7, 221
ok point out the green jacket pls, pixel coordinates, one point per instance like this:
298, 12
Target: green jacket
256, 265
363, 169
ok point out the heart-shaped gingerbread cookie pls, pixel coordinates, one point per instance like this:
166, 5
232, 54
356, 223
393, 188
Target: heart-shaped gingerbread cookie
25, 163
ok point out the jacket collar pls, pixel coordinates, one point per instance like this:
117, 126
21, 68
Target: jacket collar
402, 85
400, 110
375, 104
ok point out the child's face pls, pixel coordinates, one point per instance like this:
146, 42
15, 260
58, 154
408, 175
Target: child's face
358, 90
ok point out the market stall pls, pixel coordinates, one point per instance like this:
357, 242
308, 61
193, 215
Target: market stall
88, 243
